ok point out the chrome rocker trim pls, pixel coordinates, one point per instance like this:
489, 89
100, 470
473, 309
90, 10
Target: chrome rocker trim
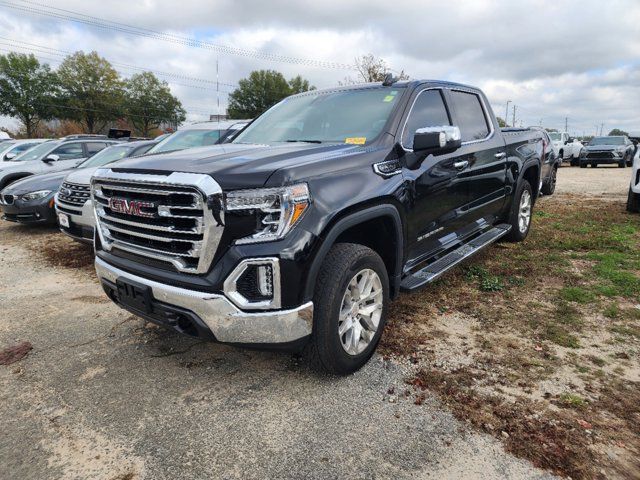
227, 323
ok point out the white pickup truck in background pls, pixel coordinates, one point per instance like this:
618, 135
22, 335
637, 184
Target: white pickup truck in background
566, 147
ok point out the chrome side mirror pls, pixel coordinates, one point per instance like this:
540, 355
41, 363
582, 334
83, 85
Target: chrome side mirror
437, 140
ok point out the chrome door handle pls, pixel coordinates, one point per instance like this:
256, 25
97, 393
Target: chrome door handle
500, 155
461, 165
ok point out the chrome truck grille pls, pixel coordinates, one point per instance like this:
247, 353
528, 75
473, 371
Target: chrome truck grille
176, 218
72, 196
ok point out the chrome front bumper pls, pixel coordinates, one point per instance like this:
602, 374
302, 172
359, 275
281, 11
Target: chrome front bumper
227, 323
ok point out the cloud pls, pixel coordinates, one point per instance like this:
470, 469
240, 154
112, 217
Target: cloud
576, 59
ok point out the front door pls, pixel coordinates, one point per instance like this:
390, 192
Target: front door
437, 189
68, 156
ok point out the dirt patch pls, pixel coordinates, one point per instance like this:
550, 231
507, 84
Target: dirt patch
538, 343
58, 252
15, 353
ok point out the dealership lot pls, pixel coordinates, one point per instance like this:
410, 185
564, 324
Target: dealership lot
104, 395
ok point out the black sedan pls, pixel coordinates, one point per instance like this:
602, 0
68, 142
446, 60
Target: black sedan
31, 200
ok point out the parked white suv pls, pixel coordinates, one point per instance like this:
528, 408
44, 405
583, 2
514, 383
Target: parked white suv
565, 147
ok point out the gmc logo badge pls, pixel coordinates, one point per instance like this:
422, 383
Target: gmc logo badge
131, 207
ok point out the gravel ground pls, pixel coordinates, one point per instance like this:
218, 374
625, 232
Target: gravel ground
604, 182
103, 395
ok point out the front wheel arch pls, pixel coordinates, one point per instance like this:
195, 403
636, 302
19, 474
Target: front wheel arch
350, 223
8, 180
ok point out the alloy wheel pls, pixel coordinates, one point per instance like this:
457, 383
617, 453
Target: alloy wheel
360, 312
524, 213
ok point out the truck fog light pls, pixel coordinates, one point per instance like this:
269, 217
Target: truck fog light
265, 280
255, 284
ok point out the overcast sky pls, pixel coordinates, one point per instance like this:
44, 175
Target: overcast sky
553, 59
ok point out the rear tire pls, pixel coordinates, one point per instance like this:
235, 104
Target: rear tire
594, 165
520, 214
622, 164
633, 202
550, 187
583, 165
343, 337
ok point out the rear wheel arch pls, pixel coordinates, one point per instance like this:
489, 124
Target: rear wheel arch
378, 227
531, 173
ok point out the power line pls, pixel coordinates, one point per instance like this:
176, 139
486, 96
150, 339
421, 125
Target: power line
69, 15
50, 51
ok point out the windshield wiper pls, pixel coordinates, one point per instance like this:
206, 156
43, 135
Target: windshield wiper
303, 141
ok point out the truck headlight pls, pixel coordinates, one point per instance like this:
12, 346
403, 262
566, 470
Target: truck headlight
35, 195
277, 209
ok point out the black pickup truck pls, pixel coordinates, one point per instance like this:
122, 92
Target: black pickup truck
299, 233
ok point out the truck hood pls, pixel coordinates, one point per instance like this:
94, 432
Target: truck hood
81, 176
602, 148
246, 165
46, 181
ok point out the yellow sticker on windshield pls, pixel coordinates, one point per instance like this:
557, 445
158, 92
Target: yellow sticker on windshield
356, 140
388, 98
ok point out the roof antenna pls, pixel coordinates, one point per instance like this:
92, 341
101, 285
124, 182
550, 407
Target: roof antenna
389, 80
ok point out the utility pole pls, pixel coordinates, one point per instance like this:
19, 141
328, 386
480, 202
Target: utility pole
218, 89
506, 114
601, 128
566, 124
514, 116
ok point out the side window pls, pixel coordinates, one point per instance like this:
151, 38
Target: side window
470, 116
428, 111
94, 147
69, 151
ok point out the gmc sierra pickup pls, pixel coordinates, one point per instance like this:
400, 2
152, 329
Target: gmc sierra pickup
299, 232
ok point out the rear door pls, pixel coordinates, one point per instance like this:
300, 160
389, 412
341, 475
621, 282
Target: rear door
93, 147
483, 154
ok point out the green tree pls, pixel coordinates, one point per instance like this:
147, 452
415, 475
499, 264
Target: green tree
262, 90
28, 90
92, 89
501, 122
617, 132
149, 103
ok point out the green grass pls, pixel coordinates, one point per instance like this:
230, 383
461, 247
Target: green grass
627, 331
611, 311
597, 360
560, 336
572, 400
577, 294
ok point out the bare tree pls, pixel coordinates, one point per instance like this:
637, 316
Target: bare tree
372, 69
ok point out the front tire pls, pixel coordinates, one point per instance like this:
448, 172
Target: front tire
520, 214
633, 202
351, 301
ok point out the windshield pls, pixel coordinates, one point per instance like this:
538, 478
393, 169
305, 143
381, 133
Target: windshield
4, 146
36, 153
108, 155
344, 116
607, 141
555, 136
183, 139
